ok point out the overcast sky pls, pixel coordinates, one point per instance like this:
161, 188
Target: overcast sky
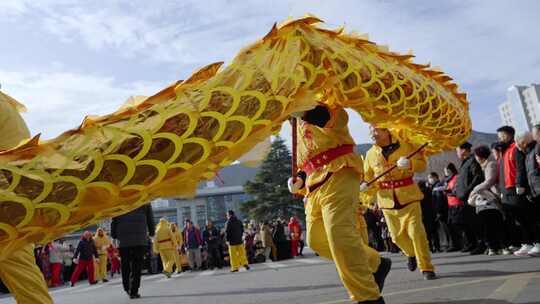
65, 59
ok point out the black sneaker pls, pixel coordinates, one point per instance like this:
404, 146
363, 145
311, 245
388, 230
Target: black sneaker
382, 272
452, 249
247, 267
411, 263
480, 249
468, 248
105, 280
134, 296
378, 301
234, 270
429, 275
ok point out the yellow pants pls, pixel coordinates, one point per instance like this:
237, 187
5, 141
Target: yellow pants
168, 259
177, 261
361, 225
373, 257
333, 233
407, 230
23, 278
237, 255
101, 268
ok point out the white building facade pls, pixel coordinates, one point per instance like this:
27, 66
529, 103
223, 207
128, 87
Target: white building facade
522, 107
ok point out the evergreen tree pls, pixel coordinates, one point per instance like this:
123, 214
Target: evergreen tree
270, 195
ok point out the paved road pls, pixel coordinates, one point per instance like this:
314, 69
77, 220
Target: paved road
463, 279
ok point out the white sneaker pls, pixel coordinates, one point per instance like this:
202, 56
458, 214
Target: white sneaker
535, 251
492, 252
524, 250
513, 248
506, 251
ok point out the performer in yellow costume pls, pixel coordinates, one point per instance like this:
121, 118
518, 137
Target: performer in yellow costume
179, 241
399, 197
19, 271
329, 177
102, 242
165, 245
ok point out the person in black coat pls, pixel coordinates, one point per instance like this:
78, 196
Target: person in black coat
524, 212
440, 210
234, 232
212, 241
428, 217
470, 175
132, 230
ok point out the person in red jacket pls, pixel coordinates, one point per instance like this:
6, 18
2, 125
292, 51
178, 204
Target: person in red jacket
513, 185
456, 212
295, 232
85, 255
114, 257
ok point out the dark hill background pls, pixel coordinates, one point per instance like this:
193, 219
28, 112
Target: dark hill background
237, 175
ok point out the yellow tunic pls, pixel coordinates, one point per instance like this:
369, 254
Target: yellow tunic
178, 239
375, 164
335, 134
102, 242
164, 237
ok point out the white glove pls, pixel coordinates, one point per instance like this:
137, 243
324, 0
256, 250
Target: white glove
520, 190
363, 187
294, 186
76, 261
403, 163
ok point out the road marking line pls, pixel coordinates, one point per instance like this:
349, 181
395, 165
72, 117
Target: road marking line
274, 265
207, 273
464, 283
87, 289
309, 261
150, 277
69, 288
511, 288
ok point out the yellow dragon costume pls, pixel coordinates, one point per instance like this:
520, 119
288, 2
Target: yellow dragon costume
184, 134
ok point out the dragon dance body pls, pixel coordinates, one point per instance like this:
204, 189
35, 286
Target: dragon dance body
169, 142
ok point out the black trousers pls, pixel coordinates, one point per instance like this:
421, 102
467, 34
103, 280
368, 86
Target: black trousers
492, 228
430, 226
67, 272
443, 234
460, 221
524, 215
214, 256
132, 260
301, 248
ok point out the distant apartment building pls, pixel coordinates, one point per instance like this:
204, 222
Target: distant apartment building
522, 107
212, 200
